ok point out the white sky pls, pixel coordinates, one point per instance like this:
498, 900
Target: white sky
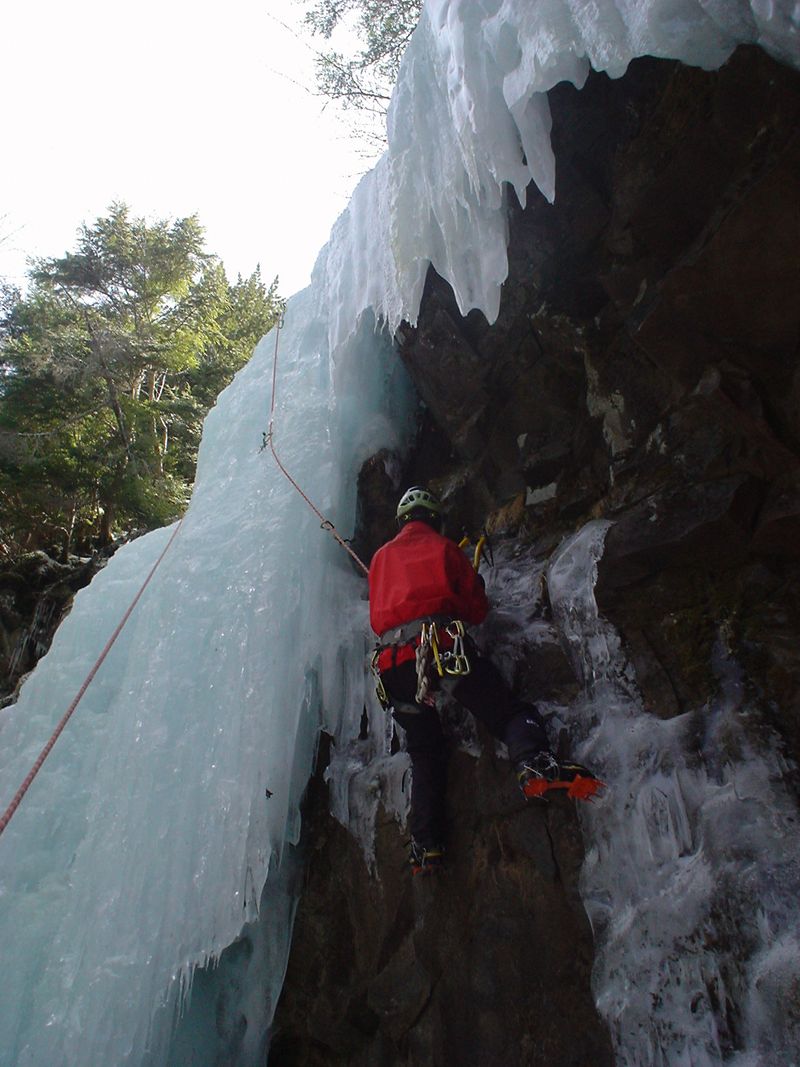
176, 108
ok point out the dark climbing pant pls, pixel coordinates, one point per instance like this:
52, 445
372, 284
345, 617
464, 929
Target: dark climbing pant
484, 693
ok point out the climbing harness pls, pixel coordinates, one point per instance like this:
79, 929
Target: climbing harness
269, 440
431, 643
452, 661
23, 789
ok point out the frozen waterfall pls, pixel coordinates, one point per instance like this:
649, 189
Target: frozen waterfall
692, 872
143, 848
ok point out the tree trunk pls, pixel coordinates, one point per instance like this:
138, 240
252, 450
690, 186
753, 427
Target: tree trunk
105, 537
69, 531
111, 386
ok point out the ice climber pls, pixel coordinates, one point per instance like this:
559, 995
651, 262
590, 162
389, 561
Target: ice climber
423, 591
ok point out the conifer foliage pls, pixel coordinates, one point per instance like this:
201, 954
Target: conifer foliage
362, 80
108, 365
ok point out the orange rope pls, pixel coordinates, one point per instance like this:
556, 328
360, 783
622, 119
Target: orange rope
23, 789
326, 523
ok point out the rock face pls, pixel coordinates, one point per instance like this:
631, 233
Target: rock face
644, 368
35, 594
481, 964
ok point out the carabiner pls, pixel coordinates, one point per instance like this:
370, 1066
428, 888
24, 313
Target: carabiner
380, 688
429, 635
457, 661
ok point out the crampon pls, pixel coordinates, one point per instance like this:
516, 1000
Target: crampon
544, 773
426, 861
580, 788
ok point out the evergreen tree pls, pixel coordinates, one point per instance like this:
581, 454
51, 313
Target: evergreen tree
363, 81
109, 365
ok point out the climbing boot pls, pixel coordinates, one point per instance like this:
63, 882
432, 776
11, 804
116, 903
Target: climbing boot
424, 860
544, 772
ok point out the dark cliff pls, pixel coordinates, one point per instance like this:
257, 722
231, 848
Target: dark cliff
643, 369
36, 593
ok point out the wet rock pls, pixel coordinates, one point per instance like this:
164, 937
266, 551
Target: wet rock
379, 489
478, 964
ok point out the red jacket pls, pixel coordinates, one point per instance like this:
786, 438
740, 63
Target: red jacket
422, 573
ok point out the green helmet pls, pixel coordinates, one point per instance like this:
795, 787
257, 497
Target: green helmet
415, 499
